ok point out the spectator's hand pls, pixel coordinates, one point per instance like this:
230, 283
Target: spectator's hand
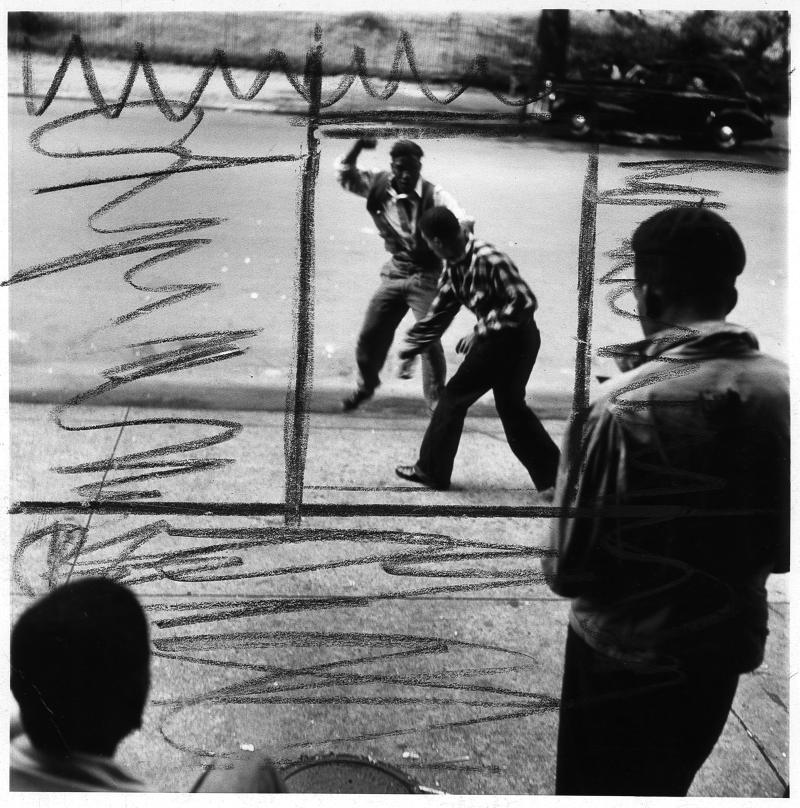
368, 142
465, 343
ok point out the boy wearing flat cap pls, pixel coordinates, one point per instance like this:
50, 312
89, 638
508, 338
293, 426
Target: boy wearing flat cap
680, 483
396, 201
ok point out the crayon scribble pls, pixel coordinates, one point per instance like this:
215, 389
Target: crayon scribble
192, 349
393, 559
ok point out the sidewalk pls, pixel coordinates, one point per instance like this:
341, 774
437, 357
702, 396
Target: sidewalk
35, 384
425, 642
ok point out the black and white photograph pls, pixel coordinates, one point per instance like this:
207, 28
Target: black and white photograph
397, 401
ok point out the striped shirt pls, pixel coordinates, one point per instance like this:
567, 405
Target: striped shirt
488, 283
32, 770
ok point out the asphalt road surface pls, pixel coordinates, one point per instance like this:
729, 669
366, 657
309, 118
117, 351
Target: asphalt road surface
525, 194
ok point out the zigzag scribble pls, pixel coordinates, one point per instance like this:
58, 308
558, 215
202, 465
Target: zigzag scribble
273, 60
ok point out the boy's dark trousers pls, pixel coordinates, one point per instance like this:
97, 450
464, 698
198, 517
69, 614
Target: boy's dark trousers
636, 731
500, 361
400, 290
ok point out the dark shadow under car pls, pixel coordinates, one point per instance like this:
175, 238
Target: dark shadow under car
700, 102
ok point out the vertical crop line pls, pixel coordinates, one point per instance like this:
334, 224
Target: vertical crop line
296, 417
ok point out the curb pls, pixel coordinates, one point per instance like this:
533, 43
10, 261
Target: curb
326, 397
530, 126
412, 116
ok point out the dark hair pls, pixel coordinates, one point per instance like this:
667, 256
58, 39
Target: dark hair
406, 148
440, 222
688, 252
80, 667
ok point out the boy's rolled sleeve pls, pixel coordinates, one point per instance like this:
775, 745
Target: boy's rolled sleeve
352, 178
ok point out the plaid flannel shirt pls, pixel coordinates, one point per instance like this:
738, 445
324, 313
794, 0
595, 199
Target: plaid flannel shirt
488, 283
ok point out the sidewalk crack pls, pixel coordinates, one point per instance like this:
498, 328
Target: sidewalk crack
761, 748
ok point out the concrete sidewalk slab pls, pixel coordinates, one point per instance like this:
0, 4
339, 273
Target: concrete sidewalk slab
351, 458
379, 677
429, 643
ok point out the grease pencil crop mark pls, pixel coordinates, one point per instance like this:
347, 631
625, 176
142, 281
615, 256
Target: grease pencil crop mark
225, 162
273, 60
296, 420
213, 549
85, 532
194, 349
641, 182
309, 510
585, 289
367, 674
360, 679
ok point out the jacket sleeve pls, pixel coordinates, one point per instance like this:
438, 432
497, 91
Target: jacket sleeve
592, 466
783, 519
352, 178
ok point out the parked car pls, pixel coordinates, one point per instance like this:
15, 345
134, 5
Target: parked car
693, 100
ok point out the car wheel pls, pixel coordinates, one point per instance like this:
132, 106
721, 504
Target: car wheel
580, 123
725, 136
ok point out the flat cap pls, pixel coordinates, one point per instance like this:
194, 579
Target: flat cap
695, 234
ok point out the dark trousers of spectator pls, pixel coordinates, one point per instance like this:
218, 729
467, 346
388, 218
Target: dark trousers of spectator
399, 291
500, 361
634, 731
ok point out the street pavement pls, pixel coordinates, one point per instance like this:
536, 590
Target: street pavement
526, 193
426, 642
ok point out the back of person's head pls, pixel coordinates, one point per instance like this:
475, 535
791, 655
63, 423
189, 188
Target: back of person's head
690, 254
80, 667
440, 222
406, 148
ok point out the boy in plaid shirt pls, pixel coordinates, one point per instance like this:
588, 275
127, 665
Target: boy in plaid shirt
499, 353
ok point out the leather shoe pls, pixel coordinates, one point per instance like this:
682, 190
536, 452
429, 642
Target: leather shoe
547, 495
414, 475
355, 399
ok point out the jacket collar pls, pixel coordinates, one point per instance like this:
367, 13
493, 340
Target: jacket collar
466, 256
416, 192
702, 339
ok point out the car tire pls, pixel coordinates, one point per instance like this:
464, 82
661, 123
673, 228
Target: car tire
580, 123
725, 136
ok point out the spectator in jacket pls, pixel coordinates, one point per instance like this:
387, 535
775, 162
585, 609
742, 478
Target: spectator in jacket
684, 460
